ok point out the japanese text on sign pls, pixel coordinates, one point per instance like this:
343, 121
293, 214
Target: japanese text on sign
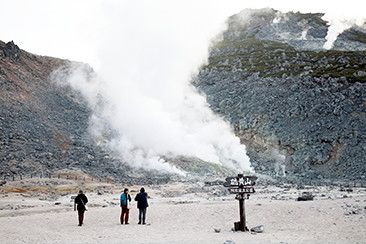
240, 181
242, 190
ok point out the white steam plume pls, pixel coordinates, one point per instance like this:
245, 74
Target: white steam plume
338, 25
143, 84
148, 51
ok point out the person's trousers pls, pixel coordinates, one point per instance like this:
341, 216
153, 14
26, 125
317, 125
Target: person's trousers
81, 216
142, 213
124, 214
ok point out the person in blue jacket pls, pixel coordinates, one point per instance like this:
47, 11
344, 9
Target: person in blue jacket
125, 206
142, 204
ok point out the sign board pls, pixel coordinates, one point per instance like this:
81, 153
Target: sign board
242, 186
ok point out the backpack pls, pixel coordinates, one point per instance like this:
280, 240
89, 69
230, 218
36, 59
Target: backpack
123, 200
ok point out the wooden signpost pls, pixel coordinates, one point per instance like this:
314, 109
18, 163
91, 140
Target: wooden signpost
242, 186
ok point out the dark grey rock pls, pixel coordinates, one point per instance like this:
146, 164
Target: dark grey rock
11, 51
257, 229
217, 230
306, 196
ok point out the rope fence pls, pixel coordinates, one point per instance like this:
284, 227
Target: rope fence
63, 176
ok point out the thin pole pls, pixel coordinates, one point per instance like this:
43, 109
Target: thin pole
242, 215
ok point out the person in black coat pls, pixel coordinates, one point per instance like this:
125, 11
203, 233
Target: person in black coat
142, 204
80, 201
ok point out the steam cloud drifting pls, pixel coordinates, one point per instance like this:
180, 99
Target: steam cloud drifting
338, 25
148, 52
143, 93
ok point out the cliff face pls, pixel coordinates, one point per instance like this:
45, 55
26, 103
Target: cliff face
298, 108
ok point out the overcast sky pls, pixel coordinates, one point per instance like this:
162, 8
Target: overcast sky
74, 29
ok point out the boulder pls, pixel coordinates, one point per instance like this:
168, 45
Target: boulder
306, 196
11, 51
257, 229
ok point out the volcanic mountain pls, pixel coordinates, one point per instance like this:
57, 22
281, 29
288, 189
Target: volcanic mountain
299, 108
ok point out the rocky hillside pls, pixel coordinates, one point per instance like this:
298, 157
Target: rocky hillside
298, 108
43, 126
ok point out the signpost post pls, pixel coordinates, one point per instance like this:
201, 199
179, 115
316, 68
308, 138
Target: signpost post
242, 186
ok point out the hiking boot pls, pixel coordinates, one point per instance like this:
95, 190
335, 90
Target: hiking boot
144, 223
127, 223
139, 222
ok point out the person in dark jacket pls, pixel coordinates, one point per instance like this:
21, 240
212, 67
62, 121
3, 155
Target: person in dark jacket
80, 201
142, 204
125, 206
